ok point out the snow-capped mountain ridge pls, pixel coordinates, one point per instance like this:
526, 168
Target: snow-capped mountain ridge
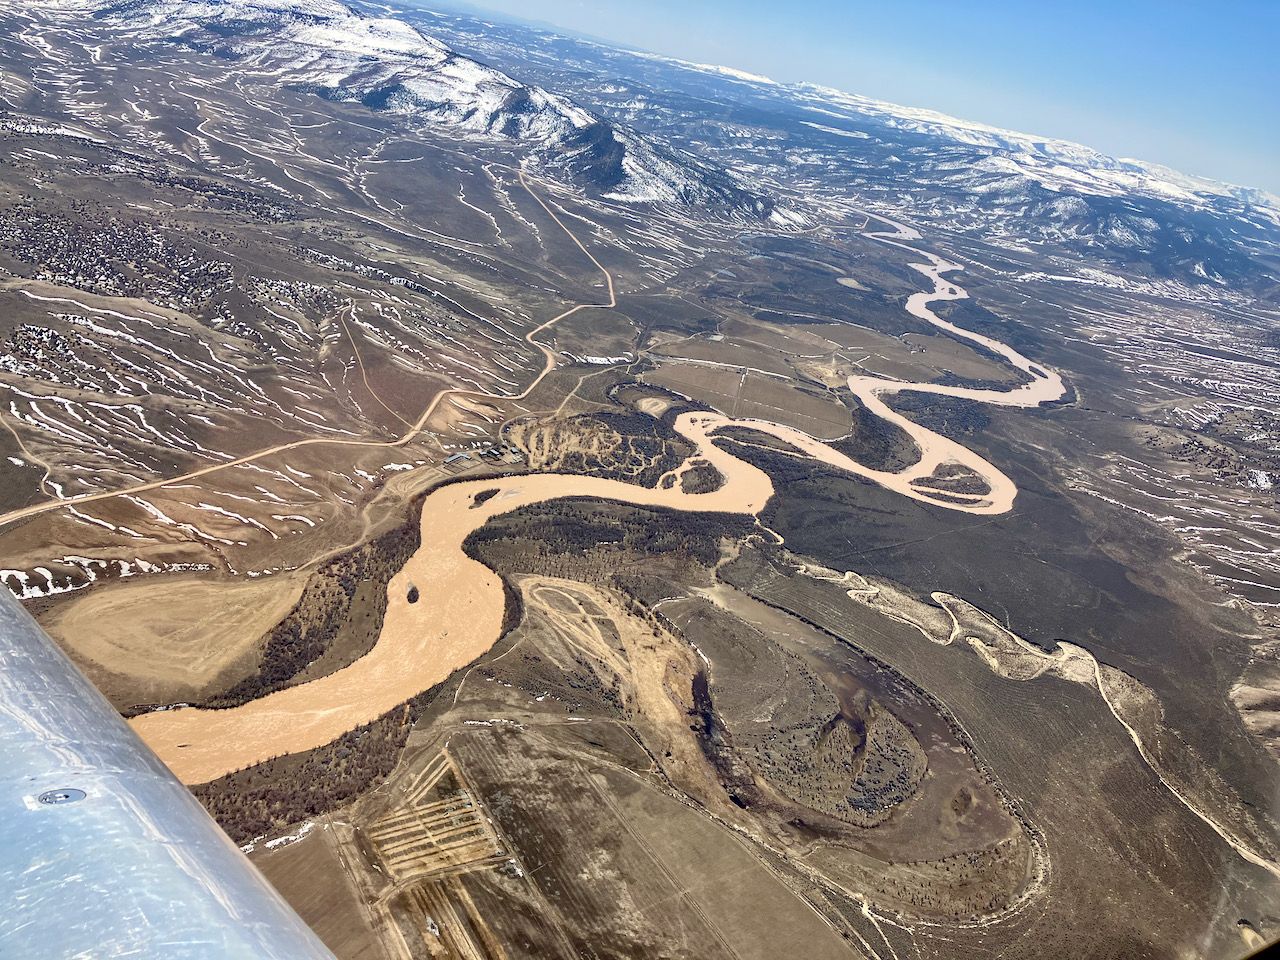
387, 64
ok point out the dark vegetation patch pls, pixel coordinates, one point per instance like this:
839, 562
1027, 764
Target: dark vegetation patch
716, 743
644, 588
266, 798
875, 442
587, 539
624, 445
758, 438
653, 437
949, 416
483, 496
872, 441
836, 751
337, 618
789, 470
701, 477
949, 379
968, 314
113, 256
955, 478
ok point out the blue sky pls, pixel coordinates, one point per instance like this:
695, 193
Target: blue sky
1194, 85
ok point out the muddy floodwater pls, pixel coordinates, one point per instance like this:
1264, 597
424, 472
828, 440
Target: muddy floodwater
458, 612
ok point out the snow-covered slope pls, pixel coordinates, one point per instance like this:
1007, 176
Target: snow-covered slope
386, 64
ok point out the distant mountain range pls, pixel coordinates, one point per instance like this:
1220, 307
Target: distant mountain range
638, 128
1055, 164
1017, 190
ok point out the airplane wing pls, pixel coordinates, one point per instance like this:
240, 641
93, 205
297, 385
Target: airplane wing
103, 853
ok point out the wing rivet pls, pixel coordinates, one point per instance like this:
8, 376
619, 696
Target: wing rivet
65, 795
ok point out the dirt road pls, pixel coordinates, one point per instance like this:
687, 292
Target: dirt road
549, 363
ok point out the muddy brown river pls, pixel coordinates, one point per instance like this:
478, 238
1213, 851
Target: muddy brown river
458, 615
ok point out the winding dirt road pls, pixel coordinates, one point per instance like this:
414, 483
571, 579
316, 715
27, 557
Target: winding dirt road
549, 364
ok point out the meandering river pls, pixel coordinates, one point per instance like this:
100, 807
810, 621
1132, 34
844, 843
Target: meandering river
459, 611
